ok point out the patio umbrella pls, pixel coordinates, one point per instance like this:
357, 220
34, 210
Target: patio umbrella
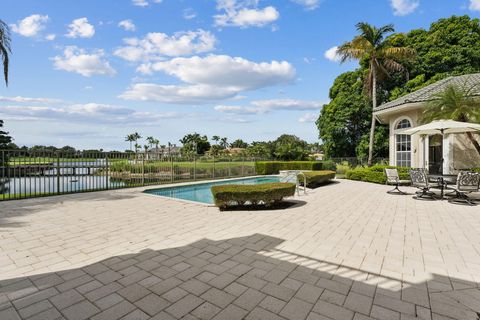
443, 127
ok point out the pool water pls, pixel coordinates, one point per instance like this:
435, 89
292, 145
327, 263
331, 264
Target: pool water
201, 192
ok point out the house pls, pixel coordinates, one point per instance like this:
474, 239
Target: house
439, 154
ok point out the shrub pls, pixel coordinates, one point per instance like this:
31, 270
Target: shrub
375, 174
342, 168
316, 178
274, 167
240, 194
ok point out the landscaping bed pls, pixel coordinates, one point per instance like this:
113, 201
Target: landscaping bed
274, 167
266, 194
375, 174
317, 178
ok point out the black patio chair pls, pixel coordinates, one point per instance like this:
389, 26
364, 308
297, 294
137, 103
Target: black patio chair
419, 179
467, 182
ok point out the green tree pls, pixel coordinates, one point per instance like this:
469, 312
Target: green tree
239, 143
216, 139
5, 139
456, 103
290, 147
151, 141
261, 149
5, 48
370, 46
224, 143
195, 143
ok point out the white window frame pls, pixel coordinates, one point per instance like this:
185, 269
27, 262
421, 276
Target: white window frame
402, 158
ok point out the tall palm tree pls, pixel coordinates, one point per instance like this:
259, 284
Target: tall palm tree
456, 103
130, 138
151, 141
5, 48
370, 45
216, 139
224, 143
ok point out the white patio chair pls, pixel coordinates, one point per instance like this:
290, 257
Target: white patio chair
467, 182
394, 179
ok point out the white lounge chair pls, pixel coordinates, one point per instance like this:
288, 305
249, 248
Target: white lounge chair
394, 179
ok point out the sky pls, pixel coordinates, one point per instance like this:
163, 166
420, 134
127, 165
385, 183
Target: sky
87, 73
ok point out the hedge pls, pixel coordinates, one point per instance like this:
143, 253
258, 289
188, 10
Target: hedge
274, 167
316, 178
240, 194
375, 174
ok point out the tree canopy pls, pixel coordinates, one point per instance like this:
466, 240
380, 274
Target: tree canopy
448, 47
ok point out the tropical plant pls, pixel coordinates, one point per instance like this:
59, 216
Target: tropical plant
5, 139
224, 143
216, 139
130, 138
194, 143
5, 48
370, 46
239, 143
456, 103
151, 141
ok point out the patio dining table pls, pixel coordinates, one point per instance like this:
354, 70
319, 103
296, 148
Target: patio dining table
442, 181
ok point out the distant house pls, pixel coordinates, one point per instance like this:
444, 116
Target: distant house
439, 155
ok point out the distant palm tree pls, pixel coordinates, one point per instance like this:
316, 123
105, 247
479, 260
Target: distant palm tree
5, 48
224, 143
151, 141
456, 103
130, 138
137, 147
370, 45
216, 139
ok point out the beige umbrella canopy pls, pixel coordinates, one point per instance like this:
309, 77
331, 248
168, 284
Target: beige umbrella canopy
443, 127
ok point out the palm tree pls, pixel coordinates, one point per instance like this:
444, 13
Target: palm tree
5, 48
456, 103
130, 138
224, 143
216, 139
151, 141
370, 45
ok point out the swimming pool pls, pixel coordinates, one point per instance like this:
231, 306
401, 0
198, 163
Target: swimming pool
201, 192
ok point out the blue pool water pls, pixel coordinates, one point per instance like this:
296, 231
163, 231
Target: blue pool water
201, 192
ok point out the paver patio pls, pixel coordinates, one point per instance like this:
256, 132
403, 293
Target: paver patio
345, 251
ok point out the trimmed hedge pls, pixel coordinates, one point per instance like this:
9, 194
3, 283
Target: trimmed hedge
375, 174
241, 194
274, 167
316, 178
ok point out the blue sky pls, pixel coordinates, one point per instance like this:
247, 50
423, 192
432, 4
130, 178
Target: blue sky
86, 73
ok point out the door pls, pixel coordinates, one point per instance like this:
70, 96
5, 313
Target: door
435, 154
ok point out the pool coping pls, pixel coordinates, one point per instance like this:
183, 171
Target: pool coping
193, 183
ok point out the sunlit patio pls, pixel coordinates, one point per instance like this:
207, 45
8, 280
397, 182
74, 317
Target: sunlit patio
347, 250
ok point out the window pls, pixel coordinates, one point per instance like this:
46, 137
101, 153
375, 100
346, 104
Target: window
403, 145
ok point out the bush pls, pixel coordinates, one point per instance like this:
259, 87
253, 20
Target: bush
375, 174
316, 178
342, 168
240, 194
274, 167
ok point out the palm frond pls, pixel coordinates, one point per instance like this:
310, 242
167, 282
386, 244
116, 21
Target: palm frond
398, 53
5, 48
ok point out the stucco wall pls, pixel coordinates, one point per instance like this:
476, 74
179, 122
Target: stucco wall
393, 119
465, 156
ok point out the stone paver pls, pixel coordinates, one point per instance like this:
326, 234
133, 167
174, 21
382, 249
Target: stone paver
349, 251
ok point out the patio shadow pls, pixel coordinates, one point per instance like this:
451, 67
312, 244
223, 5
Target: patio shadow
249, 277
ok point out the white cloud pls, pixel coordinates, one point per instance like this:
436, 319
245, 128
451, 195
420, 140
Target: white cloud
404, 7
244, 14
189, 14
474, 5
86, 113
156, 45
50, 37
270, 105
177, 94
210, 78
144, 3
308, 117
82, 62
332, 54
80, 28
127, 25
31, 25
225, 71
308, 4
19, 99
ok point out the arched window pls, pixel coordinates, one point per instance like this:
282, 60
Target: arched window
403, 145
